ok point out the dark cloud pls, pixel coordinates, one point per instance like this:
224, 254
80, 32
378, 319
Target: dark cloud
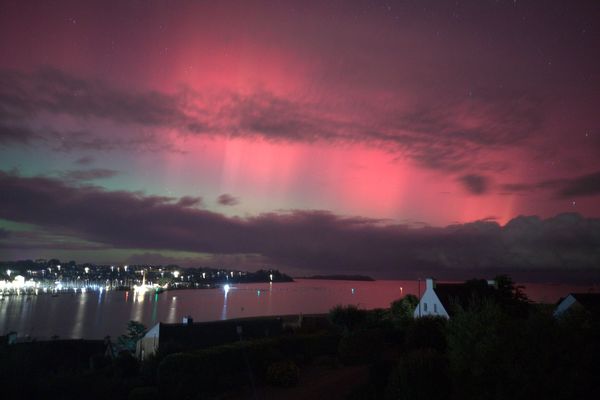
475, 184
227, 200
14, 134
46, 239
583, 185
27, 98
69, 142
85, 160
249, 261
189, 201
150, 258
89, 174
54, 91
308, 240
434, 134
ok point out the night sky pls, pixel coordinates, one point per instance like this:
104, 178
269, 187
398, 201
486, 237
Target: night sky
395, 139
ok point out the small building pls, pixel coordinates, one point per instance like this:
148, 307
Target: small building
440, 300
588, 302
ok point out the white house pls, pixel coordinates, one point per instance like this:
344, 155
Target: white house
430, 304
440, 300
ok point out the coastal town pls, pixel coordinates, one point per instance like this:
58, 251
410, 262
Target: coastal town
31, 277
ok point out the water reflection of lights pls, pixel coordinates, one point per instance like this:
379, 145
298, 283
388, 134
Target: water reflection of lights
139, 296
77, 330
226, 289
155, 308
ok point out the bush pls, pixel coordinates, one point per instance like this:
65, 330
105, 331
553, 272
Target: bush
149, 369
144, 393
421, 375
401, 311
126, 365
347, 318
427, 333
283, 373
360, 347
99, 361
223, 367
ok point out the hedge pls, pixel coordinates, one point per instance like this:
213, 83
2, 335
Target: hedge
186, 375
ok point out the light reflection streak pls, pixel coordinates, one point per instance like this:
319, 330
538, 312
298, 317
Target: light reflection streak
154, 308
226, 289
172, 316
137, 309
79, 317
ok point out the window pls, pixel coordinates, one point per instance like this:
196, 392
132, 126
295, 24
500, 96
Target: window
425, 307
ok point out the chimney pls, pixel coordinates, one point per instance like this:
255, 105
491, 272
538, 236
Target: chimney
429, 284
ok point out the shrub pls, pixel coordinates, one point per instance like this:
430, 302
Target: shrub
401, 311
126, 365
99, 361
347, 318
360, 347
427, 332
283, 373
214, 369
144, 393
421, 375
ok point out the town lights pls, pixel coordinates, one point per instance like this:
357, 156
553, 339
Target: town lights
176, 274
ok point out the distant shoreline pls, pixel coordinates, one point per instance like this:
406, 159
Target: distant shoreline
363, 278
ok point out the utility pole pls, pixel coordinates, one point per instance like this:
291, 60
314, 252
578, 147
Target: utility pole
419, 290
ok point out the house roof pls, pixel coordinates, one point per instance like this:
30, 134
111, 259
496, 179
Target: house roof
590, 301
460, 294
206, 334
